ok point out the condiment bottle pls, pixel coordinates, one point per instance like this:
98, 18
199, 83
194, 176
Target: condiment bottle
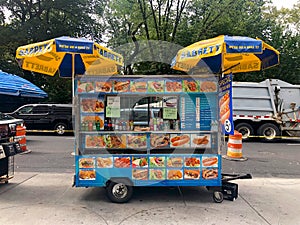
105, 124
109, 125
97, 125
90, 126
131, 124
113, 124
116, 124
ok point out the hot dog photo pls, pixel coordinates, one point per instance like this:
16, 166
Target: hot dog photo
191, 174
121, 86
180, 140
140, 174
208, 174
104, 86
209, 161
200, 141
224, 104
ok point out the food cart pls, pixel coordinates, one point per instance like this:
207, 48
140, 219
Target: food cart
148, 131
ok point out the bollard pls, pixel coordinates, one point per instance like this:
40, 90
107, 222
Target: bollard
21, 137
235, 147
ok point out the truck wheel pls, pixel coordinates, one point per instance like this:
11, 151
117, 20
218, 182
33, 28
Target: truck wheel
60, 128
269, 131
245, 129
119, 192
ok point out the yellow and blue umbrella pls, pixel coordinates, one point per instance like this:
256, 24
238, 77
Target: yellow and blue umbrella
69, 56
227, 54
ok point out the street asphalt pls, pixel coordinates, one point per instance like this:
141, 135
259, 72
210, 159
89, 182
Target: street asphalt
39, 197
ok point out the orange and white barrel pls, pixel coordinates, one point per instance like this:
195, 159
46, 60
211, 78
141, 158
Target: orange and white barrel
234, 145
21, 137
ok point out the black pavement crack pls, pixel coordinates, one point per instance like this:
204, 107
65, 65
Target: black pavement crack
141, 211
182, 196
96, 213
255, 210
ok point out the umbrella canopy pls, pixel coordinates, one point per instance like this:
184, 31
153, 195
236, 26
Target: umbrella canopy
227, 54
69, 56
14, 85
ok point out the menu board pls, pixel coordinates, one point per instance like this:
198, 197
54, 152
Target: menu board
190, 112
225, 104
205, 113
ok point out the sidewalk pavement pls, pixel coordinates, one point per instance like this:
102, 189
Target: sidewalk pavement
49, 198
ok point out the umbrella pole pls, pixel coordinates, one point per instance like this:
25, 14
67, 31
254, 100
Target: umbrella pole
73, 74
223, 71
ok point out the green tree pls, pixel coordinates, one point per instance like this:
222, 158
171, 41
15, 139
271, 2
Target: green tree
36, 20
141, 21
283, 34
181, 22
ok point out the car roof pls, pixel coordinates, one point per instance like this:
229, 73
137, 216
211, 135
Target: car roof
49, 104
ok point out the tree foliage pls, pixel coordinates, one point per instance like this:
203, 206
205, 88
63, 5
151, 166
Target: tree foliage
37, 20
147, 32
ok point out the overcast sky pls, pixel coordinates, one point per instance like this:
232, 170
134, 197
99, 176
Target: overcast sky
284, 3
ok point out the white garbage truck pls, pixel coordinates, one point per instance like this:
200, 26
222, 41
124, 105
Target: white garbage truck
269, 109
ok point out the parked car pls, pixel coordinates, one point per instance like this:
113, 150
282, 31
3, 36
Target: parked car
51, 117
8, 125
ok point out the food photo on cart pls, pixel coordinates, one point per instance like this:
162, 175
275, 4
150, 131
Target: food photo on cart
151, 131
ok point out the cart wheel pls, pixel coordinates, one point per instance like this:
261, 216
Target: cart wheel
119, 192
218, 196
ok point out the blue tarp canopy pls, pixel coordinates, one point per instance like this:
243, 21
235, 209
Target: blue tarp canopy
17, 86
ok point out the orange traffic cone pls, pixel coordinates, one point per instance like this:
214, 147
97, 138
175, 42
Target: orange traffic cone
21, 138
235, 147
